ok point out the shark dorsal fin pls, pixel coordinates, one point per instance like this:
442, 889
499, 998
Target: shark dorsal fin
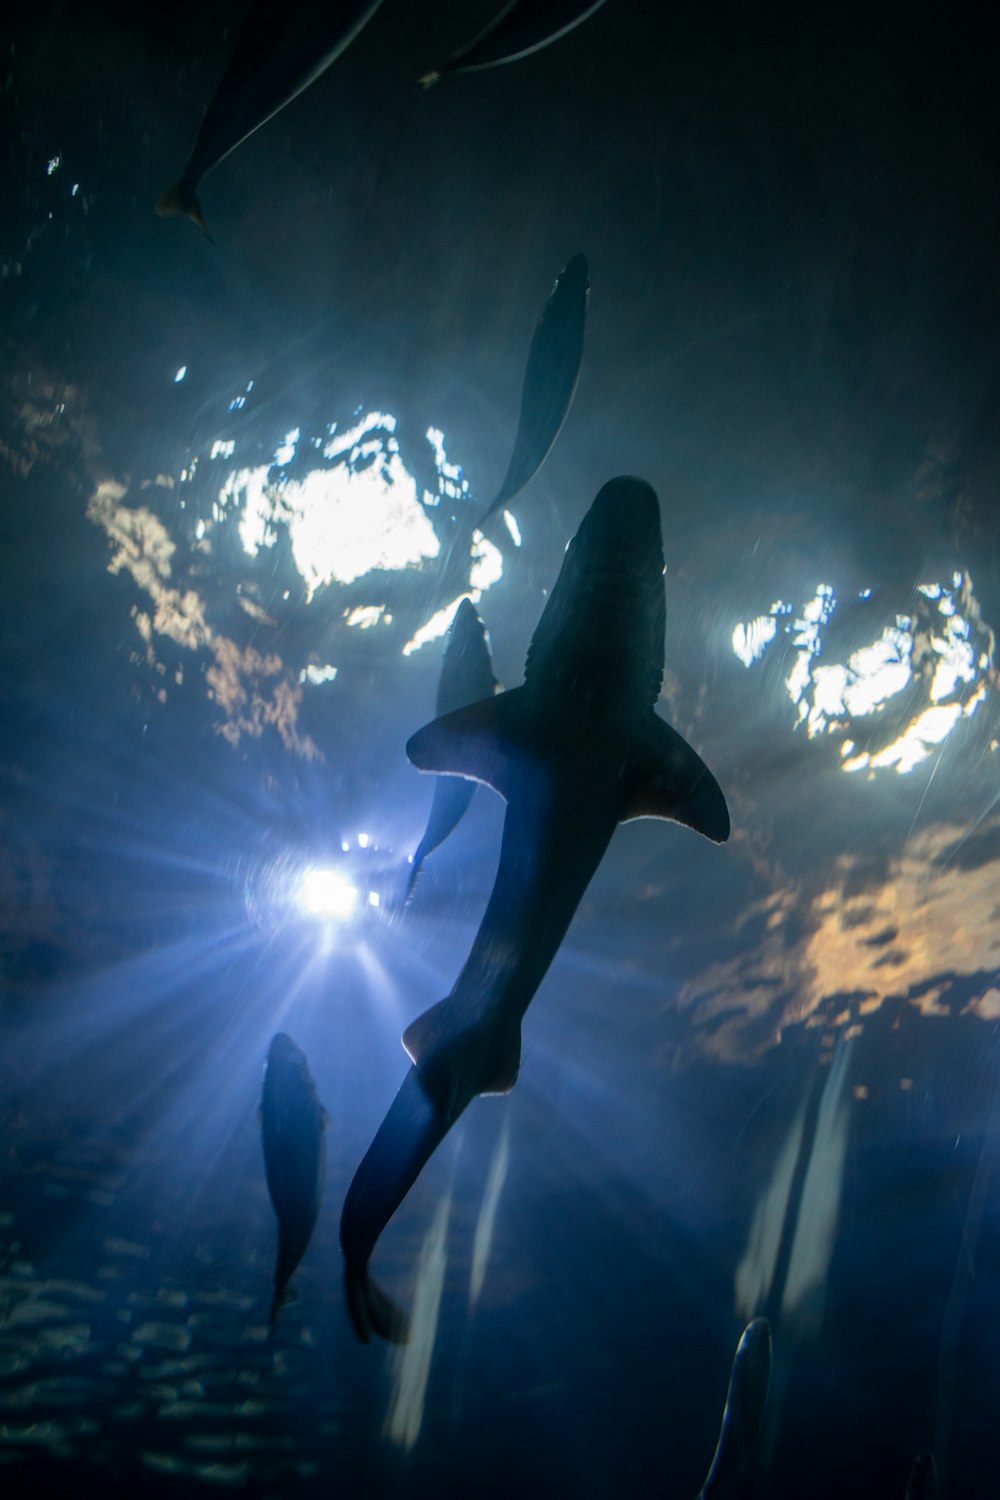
478, 742
665, 778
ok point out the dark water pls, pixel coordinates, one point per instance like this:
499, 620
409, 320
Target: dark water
757, 1079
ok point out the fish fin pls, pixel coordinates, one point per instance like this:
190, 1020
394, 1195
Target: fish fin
456, 1059
281, 1299
665, 778
429, 79
478, 742
371, 1310
181, 198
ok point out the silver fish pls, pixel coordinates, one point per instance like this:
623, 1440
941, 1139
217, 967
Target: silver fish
518, 29
281, 49
550, 379
293, 1127
466, 675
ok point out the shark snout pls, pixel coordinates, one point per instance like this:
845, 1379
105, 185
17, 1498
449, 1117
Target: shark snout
622, 526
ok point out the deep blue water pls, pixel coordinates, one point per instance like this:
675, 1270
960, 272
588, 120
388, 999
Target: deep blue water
757, 1079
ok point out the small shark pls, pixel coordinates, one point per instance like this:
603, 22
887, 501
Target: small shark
293, 1127
746, 1400
280, 50
575, 751
466, 675
550, 379
519, 28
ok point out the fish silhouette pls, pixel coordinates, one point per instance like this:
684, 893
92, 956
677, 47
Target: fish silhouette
518, 29
746, 1399
466, 675
280, 50
293, 1129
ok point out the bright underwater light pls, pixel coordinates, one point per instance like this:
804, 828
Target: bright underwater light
324, 892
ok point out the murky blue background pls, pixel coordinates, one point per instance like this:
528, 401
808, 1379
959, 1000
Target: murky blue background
760, 1078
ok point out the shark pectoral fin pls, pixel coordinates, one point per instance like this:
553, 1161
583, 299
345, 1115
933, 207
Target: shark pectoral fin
457, 1060
478, 742
665, 778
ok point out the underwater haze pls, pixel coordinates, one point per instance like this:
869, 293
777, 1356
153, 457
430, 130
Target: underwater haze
248, 478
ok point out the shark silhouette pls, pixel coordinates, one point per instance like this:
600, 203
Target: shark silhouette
575, 751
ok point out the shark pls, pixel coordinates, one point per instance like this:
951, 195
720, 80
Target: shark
575, 750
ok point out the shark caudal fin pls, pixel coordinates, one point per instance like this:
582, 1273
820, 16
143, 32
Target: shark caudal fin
181, 198
371, 1310
457, 1059
665, 778
479, 742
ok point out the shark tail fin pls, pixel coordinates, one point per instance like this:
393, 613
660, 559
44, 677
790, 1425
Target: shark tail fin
457, 1060
371, 1310
181, 198
477, 742
665, 778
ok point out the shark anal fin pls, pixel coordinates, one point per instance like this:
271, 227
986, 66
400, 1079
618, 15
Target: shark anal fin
457, 1059
478, 742
665, 778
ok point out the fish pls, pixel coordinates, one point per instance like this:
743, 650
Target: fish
550, 379
281, 49
746, 1400
293, 1129
923, 1481
575, 750
519, 28
466, 675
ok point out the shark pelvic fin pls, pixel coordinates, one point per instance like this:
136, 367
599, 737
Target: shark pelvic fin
457, 1060
477, 742
665, 778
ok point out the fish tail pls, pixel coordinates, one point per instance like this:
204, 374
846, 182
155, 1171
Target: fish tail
181, 198
371, 1310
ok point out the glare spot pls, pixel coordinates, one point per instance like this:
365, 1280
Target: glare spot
317, 675
221, 449
344, 524
286, 452
364, 840
926, 731
180, 374
373, 898
487, 563
438, 624
513, 528
53, 165
327, 893
930, 649
750, 641
366, 615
